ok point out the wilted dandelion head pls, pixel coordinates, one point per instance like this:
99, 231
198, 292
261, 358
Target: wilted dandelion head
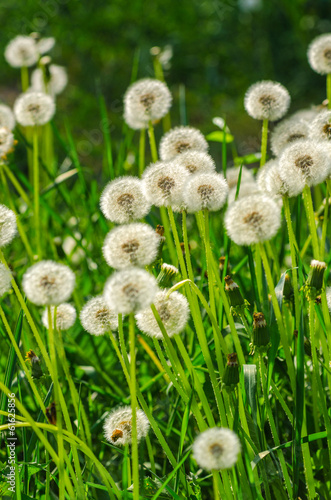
287, 132
216, 449
65, 316
196, 162
163, 183
232, 176
8, 227
202, 191
123, 200
97, 318
180, 140
252, 219
319, 54
270, 180
173, 311
146, 100
56, 82
48, 283
7, 118
5, 279
34, 108
320, 128
246, 189
130, 290
7, 142
133, 244
118, 426
21, 51
267, 100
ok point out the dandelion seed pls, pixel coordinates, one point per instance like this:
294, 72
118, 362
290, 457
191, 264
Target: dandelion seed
21, 51
97, 318
232, 176
196, 162
5, 279
7, 118
205, 191
65, 317
319, 54
7, 142
34, 108
180, 140
267, 100
163, 183
8, 226
287, 132
57, 81
216, 449
118, 426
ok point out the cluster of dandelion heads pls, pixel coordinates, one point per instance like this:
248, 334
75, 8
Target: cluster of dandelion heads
202, 191
97, 318
287, 132
118, 426
146, 100
267, 100
8, 227
57, 80
320, 128
173, 311
130, 290
132, 244
5, 279
34, 108
163, 183
21, 51
232, 176
196, 162
216, 449
48, 283
7, 118
252, 219
319, 54
181, 139
7, 142
123, 200
65, 316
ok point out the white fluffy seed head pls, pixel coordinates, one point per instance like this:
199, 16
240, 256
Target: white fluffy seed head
267, 100
118, 426
269, 179
65, 316
163, 183
48, 283
123, 200
34, 108
173, 311
57, 82
320, 128
7, 142
8, 227
44, 45
205, 191
133, 244
196, 162
216, 449
319, 54
246, 189
287, 132
97, 318
21, 51
232, 176
5, 279
130, 290
181, 139
7, 118
252, 219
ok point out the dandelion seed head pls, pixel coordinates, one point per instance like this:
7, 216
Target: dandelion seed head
163, 183
118, 426
207, 190
5, 279
57, 82
97, 318
34, 108
216, 449
267, 100
8, 227
7, 142
44, 45
320, 128
21, 51
319, 54
246, 189
270, 180
7, 118
232, 176
65, 316
196, 162
287, 132
180, 140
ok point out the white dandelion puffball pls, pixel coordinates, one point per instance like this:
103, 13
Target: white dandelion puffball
205, 191
196, 162
306, 115
163, 183
65, 316
21, 51
319, 54
245, 189
130, 290
320, 128
232, 176
252, 219
7, 142
304, 163
8, 227
5, 279
146, 100
7, 118
58, 80
267, 100
287, 132
328, 297
173, 311
44, 45
132, 244
118, 426
34, 108
97, 318
123, 200
48, 283
270, 180
181, 139
216, 449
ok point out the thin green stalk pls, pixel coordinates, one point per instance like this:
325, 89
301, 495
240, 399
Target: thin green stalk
217, 493
264, 142
325, 221
167, 233
142, 142
133, 392
24, 78
36, 189
328, 89
308, 202
291, 236
152, 142
16, 184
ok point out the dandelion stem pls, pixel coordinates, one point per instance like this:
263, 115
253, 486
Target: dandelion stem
152, 142
325, 220
24, 78
311, 219
264, 142
135, 458
36, 188
142, 142
294, 260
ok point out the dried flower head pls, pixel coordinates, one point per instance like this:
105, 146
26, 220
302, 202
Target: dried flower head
216, 449
232, 176
252, 219
202, 191
320, 128
7, 142
56, 80
287, 132
65, 316
123, 200
319, 54
267, 100
97, 318
7, 118
196, 162
8, 226
5, 279
130, 290
34, 108
163, 183
21, 51
133, 244
173, 311
118, 426
48, 283
180, 140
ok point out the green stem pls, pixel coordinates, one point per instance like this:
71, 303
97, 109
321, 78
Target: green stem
311, 220
135, 458
264, 142
325, 221
328, 89
36, 189
167, 233
294, 260
152, 142
24, 78
142, 142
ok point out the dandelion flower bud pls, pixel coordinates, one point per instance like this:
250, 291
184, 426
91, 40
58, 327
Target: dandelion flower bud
230, 377
202, 191
56, 81
7, 118
320, 128
252, 219
21, 51
181, 139
118, 426
8, 226
287, 132
196, 162
130, 290
314, 283
65, 317
163, 183
5, 279
48, 283
173, 311
237, 301
167, 274
232, 176
216, 449
267, 100
261, 334
319, 54
7, 142
123, 200
34, 108
97, 318
133, 244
